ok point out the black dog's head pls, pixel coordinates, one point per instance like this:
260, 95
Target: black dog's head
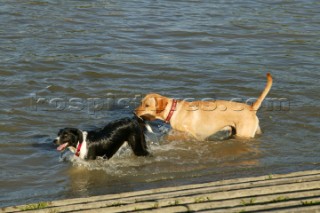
68, 137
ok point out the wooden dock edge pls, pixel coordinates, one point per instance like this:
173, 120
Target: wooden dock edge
294, 192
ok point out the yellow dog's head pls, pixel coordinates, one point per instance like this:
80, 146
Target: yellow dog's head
152, 107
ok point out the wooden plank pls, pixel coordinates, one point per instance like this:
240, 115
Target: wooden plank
298, 191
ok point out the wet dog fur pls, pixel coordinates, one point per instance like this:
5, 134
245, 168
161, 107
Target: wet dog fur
104, 142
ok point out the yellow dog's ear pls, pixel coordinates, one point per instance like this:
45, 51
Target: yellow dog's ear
161, 103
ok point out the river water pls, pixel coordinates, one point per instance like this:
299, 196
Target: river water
85, 63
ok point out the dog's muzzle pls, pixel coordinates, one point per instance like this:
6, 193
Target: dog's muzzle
55, 141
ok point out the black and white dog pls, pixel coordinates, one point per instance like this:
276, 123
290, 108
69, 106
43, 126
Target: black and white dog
104, 142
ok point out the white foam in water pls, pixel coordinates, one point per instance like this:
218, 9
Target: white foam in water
148, 127
124, 163
122, 158
121, 163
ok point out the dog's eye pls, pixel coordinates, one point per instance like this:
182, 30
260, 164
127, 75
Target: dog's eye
147, 105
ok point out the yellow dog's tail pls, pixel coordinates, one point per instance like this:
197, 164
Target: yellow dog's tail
265, 92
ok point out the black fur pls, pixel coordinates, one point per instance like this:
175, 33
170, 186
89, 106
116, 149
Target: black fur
105, 142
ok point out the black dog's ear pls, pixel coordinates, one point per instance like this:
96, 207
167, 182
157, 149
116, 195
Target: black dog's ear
80, 136
60, 132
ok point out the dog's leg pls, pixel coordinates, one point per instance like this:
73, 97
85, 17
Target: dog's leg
138, 144
258, 132
247, 129
91, 154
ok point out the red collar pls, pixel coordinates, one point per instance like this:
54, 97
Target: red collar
173, 108
78, 149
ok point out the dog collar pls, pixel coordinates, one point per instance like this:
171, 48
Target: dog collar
78, 149
173, 108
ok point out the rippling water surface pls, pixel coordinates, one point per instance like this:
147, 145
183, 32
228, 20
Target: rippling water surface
86, 63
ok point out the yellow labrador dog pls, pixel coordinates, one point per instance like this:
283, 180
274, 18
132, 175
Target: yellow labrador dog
204, 118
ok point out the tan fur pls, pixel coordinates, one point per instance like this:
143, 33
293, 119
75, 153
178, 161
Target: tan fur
205, 118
